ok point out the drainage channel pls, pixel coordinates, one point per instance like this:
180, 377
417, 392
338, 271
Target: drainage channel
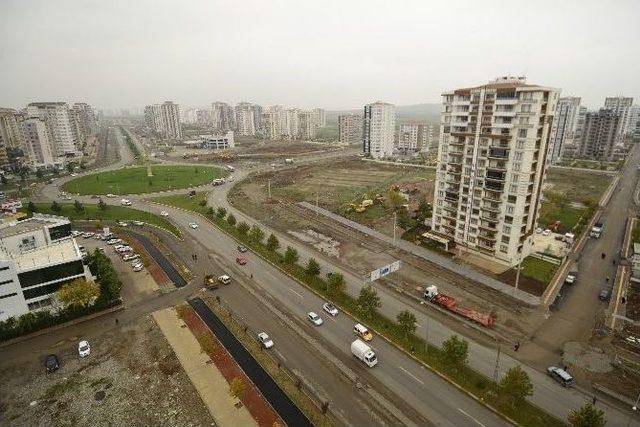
287, 410
163, 262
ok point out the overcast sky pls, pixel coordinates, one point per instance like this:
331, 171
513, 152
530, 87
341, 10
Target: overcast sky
333, 54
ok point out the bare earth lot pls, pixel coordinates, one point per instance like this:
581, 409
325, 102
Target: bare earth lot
132, 377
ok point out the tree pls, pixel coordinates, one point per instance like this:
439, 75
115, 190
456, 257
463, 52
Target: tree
272, 243
79, 293
312, 268
515, 386
396, 199
221, 213
424, 210
231, 220
256, 233
210, 211
406, 322
587, 416
39, 174
203, 202
291, 255
56, 207
236, 388
102, 205
243, 228
31, 207
78, 206
368, 301
70, 167
4, 180
404, 219
106, 276
335, 283
456, 349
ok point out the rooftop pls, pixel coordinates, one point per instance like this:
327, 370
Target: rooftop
56, 253
36, 222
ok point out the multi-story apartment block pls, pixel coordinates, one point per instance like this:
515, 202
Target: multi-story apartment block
188, 115
245, 124
307, 125
600, 134
203, 118
257, 111
412, 137
153, 117
622, 106
320, 117
491, 165
272, 122
379, 125
291, 127
164, 119
634, 122
84, 122
222, 116
38, 143
10, 131
350, 129
564, 126
61, 125
37, 256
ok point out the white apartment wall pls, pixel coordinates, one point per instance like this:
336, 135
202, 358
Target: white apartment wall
379, 128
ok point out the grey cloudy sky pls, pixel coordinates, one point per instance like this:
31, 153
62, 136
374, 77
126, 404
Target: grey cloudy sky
334, 54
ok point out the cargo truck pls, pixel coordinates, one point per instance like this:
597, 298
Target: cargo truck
363, 352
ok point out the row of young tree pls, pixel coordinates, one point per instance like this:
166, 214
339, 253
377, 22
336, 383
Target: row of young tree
513, 388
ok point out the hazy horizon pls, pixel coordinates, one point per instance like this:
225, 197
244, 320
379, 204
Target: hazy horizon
335, 55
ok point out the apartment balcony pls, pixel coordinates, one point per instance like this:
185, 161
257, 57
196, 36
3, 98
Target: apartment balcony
495, 176
452, 180
450, 207
456, 142
500, 144
491, 217
450, 199
498, 153
502, 125
496, 167
487, 237
486, 247
490, 207
455, 161
461, 133
447, 225
495, 188
454, 170
503, 113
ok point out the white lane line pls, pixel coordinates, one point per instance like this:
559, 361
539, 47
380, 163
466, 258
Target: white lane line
418, 325
476, 421
332, 319
411, 375
297, 293
284, 359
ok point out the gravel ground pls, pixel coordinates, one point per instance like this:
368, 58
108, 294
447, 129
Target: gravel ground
132, 377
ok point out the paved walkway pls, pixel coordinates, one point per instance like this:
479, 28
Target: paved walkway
442, 261
208, 381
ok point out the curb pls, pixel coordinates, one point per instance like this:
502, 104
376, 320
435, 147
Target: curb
450, 381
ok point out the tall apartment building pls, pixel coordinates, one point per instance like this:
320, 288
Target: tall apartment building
84, 122
245, 124
564, 126
291, 127
257, 111
307, 125
61, 125
320, 117
634, 122
379, 125
203, 118
272, 122
37, 256
188, 115
38, 143
600, 134
350, 129
491, 165
10, 131
622, 106
412, 137
164, 119
222, 116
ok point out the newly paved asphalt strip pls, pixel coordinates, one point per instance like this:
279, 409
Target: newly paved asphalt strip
163, 262
289, 412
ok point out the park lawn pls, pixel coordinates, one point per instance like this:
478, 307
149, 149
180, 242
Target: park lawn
538, 269
567, 215
183, 201
111, 213
135, 180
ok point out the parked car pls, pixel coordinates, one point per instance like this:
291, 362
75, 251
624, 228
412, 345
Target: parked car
330, 308
111, 195
130, 257
136, 262
164, 213
314, 318
138, 267
605, 295
265, 340
138, 223
560, 375
240, 260
242, 249
51, 363
112, 241
122, 224
193, 225
84, 349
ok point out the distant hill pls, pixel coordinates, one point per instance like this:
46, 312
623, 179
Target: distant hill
423, 112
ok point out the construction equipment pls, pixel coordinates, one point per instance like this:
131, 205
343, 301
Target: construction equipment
211, 282
449, 303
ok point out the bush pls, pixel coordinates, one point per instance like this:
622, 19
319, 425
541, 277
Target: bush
515, 386
231, 220
313, 268
243, 228
456, 350
272, 243
291, 255
221, 213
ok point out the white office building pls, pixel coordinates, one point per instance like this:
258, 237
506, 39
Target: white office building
379, 125
563, 130
59, 120
491, 165
37, 256
245, 124
621, 105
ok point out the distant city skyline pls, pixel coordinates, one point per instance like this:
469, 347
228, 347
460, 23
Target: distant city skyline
338, 55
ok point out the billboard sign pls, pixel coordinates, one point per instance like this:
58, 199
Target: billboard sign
384, 271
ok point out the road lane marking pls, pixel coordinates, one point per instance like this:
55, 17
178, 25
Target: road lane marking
330, 317
476, 421
411, 375
284, 359
297, 293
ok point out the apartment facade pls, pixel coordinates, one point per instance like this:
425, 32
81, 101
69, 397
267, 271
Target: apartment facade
245, 124
564, 126
222, 116
491, 165
622, 106
379, 124
38, 143
60, 122
600, 134
164, 119
37, 256
319, 116
350, 129
412, 137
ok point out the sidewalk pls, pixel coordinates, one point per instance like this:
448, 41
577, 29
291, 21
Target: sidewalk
208, 381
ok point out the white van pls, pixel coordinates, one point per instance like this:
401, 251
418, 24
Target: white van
362, 332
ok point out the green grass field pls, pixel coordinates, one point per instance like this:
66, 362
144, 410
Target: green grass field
538, 269
185, 202
135, 180
111, 213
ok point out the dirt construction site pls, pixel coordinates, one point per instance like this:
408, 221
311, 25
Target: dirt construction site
335, 187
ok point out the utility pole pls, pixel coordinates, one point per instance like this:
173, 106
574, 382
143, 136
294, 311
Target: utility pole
426, 333
496, 370
518, 274
269, 187
317, 198
395, 219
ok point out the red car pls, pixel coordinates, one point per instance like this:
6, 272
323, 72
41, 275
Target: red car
240, 260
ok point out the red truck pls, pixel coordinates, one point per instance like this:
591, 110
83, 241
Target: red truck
449, 303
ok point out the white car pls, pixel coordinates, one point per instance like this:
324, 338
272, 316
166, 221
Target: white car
193, 225
112, 241
138, 267
136, 263
74, 174
164, 213
111, 195
130, 257
546, 232
124, 249
314, 318
76, 233
138, 223
84, 349
125, 202
265, 340
330, 308
122, 224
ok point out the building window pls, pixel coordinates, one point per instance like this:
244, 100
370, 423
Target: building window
515, 177
517, 156
513, 188
506, 229
516, 167
49, 274
505, 239
526, 108
526, 95
522, 133
510, 209
504, 248
520, 144
523, 120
